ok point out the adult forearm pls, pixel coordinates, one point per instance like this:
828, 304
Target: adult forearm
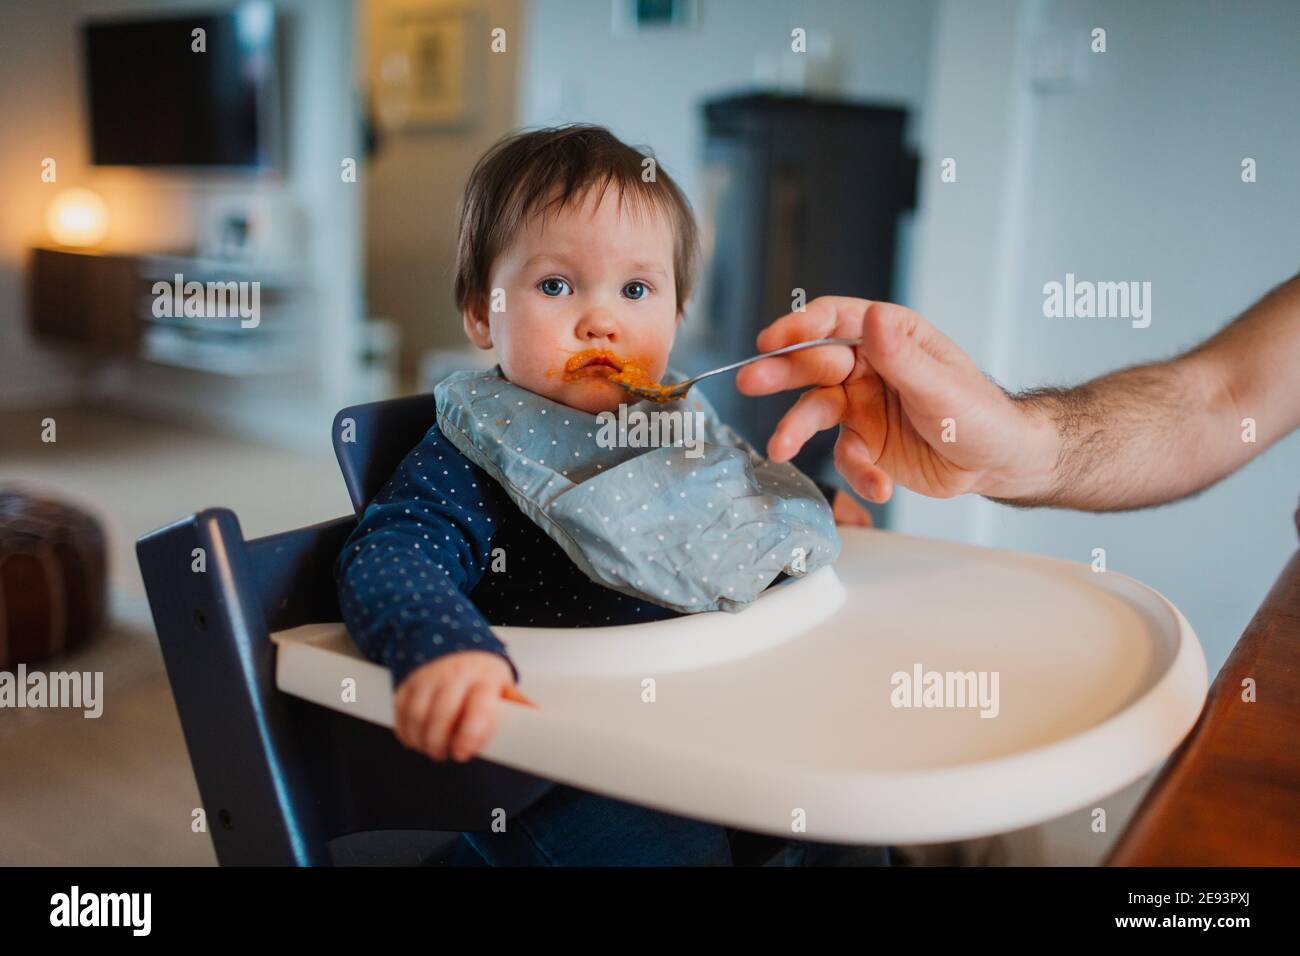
1159, 432
1130, 439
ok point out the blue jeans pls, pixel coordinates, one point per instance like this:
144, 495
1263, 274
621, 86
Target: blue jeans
570, 827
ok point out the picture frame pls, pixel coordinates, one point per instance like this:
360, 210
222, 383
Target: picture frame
425, 71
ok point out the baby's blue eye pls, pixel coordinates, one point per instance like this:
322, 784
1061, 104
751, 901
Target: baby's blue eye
636, 290
553, 287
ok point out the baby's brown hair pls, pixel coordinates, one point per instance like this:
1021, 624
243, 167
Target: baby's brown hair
544, 170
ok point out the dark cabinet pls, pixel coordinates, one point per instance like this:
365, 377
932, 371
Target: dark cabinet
801, 194
85, 300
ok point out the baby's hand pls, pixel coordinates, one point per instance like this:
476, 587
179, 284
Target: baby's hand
848, 510
448, 707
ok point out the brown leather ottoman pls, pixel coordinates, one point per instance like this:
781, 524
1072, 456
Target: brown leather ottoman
52, 577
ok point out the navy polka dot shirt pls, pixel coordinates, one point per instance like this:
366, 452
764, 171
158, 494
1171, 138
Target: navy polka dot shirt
442, 552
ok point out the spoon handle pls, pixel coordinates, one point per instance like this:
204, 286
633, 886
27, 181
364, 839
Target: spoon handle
763, 355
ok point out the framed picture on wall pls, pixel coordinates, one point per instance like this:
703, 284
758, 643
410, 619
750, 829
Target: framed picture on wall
425, 69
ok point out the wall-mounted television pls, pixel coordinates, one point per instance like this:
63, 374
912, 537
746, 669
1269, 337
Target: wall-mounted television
156, 99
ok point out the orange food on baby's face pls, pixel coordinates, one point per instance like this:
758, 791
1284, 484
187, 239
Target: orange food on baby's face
592, 362
602, 363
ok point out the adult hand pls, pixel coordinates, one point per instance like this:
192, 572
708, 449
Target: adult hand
911, 406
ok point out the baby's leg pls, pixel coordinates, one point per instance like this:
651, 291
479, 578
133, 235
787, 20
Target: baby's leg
569, 827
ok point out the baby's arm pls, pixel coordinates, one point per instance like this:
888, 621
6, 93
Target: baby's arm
404, 577
847, 510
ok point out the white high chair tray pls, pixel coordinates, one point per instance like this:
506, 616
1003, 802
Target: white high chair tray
784, 713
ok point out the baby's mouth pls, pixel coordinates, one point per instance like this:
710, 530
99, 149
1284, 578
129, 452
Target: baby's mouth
591, 363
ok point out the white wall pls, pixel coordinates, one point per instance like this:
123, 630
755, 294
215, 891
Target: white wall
1132, 173
414, 184
38, 72
648, 88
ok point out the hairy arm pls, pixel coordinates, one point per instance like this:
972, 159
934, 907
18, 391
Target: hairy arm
1159, 432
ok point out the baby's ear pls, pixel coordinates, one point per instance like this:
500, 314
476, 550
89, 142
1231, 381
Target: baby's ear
476, 324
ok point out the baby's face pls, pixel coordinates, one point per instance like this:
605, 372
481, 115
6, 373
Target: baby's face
592, 277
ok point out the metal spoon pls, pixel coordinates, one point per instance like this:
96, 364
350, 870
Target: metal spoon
671, 393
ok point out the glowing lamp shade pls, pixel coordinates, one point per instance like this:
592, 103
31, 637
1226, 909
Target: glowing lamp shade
77, 217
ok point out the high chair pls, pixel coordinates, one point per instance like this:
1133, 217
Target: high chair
281, 777
814, 705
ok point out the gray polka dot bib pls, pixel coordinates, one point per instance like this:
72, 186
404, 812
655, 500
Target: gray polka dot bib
659, 501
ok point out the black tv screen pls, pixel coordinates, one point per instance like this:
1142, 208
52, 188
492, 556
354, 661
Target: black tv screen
155, 101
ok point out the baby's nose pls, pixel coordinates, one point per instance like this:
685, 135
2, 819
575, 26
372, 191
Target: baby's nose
598, 324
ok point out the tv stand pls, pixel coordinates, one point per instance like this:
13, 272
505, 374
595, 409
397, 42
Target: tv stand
107, 304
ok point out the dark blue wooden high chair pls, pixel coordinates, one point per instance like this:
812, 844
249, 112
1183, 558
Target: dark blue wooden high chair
281, 778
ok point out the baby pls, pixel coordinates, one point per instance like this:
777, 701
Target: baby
576, 258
